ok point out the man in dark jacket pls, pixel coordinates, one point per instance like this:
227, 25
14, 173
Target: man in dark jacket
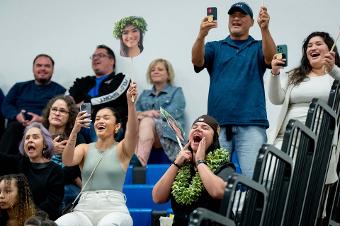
105, 88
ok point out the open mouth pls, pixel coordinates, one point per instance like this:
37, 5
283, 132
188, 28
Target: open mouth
31, 147
197, 138
101, 128
314, 54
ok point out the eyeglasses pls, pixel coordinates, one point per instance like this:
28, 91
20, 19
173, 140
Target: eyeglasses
60, 110
99, 55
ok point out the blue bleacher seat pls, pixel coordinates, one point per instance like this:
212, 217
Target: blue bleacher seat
141, 216
154, 172
140, 196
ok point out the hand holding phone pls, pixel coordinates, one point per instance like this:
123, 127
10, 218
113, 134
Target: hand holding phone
86, 107
27, 116
282, 51
212, 14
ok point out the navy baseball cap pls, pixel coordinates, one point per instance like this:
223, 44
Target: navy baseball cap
241, 7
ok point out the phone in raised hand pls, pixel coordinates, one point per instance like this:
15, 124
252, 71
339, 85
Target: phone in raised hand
283, 51
86, 107
212, 13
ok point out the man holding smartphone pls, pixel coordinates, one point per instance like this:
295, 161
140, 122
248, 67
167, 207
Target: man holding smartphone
236, 66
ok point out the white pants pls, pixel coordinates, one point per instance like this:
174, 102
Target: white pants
101, 208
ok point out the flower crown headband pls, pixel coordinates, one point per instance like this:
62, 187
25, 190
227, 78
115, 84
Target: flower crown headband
135, 21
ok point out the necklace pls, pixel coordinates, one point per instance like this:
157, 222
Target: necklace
185, 191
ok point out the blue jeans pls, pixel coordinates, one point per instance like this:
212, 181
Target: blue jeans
70, 193
245, 144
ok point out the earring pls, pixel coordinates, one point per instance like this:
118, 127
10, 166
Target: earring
116, 130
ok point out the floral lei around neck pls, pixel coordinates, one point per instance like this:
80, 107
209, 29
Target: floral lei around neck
185, 191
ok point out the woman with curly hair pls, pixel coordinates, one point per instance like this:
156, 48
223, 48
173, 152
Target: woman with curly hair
59, 116
130, 30
197, 177
16, 204
45, 178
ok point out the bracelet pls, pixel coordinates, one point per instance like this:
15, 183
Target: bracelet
175, 164
201, 161
271, 72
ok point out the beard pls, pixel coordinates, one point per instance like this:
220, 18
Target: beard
43, 81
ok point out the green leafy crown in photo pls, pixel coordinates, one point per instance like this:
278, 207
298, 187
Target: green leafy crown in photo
138, 22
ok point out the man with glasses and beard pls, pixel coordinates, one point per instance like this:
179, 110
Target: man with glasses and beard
25, 101
103, 89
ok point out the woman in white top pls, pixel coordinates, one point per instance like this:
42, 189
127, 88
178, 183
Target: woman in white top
102, 201
312, 79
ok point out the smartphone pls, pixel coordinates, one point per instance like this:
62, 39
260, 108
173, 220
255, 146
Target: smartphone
27, 116
283, 49
86, 107
62, 137
212, 13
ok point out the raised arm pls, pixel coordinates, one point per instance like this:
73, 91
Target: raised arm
268, 44
130, 141
213, 184
73, 155
276, 92
330, 66
197, 52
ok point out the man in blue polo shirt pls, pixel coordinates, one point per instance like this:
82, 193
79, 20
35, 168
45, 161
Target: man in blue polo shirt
236, 66
26, 100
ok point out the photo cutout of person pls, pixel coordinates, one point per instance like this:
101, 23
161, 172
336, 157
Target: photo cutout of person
130, 31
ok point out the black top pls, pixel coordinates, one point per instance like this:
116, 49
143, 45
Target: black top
182, 212
81, 87
46, 181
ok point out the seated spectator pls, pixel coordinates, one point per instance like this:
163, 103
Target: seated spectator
105, 88
16, 203
197, 177
103, 166
45, 177
59, 117
25, 101
153, 130
2, 118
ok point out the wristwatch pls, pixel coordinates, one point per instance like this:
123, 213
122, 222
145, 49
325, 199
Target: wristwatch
201, 161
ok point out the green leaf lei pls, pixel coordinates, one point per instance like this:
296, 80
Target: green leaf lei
186, 193
137, 22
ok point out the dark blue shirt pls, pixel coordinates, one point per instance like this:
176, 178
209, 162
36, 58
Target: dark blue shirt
30, 97
236, 92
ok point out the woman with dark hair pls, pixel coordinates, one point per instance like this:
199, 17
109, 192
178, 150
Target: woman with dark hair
130, 31
313, 78
45, 177
197, 177
59, 116
16, 203
103, 167
295, 91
